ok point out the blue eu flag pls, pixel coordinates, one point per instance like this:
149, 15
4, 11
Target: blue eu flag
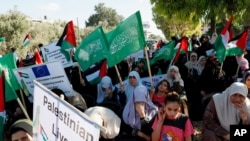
41, 71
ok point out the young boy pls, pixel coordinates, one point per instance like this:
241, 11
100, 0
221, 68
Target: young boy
171, 124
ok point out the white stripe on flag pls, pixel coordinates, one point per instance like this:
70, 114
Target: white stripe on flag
3, 114
93, 76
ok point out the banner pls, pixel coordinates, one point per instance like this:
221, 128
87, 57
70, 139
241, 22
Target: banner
137, 55
56, 120
51, 75
52, 53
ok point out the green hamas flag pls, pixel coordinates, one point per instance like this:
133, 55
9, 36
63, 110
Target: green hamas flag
92, 49
125, 39
2, 39
7, 63
166, 52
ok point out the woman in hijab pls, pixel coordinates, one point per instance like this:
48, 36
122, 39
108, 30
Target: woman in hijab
106, 92
199, 67
139, 112
192, 61
133, 82
173, 76
230, 107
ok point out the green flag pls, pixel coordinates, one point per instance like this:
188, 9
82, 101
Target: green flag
166, 52
2, 39
7, 63
125, 39
92, 49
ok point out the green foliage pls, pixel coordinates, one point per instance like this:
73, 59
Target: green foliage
104, 16
206, 11
14, 26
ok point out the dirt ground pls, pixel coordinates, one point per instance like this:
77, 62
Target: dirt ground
197, 128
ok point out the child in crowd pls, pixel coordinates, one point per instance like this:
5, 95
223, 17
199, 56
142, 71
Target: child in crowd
21, 130
158, 95
171, 124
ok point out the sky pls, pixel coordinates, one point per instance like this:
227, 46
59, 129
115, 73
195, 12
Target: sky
80, 9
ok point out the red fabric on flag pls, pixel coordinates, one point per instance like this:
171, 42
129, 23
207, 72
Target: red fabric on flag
38, 58
228, 26
242, 41
70, 37
183, 46
20, 63
103, 69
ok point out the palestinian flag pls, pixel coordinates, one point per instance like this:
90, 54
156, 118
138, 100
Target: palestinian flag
24, 75
67, 40
26, 40
182, 45
2, 39
222, 41
95, 73
237, 45
2, 111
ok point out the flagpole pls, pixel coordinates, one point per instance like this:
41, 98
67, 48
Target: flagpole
80, 75
78, 30
118, 74
22, 108
172, 60
149, 69
22, 98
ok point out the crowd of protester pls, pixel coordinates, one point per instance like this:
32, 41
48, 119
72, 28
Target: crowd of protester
196, 87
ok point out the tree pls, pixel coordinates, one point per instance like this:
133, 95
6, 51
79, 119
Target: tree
13, 25
104, 16
176, 27
207, 11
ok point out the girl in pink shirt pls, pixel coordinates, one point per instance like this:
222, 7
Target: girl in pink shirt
171, 124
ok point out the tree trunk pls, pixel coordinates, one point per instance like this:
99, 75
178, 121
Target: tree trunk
213, 24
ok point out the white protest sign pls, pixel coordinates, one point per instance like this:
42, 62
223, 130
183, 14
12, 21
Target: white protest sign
52, 53
145, 81
51, 75
56, 120
137, 55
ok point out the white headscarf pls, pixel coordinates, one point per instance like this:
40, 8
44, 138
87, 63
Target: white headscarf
198, 67
129, 90
105, 83
190, 64
226, 111
169, 79
106, 118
